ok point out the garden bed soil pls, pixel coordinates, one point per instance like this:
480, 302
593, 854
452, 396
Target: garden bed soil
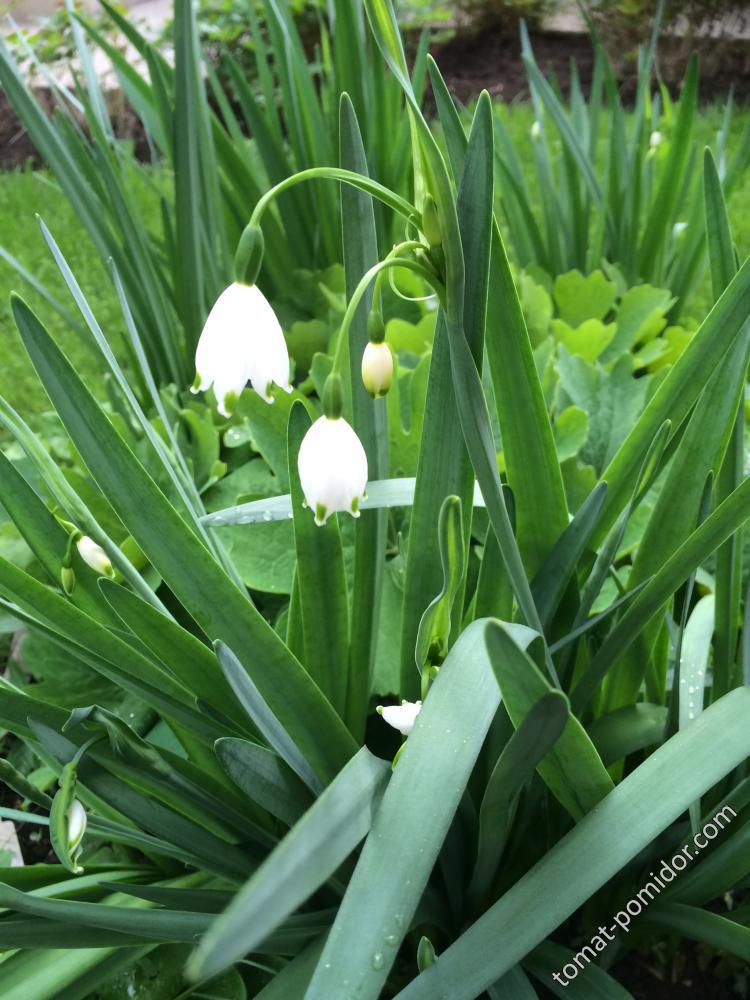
693, 981
470, 63
491, 60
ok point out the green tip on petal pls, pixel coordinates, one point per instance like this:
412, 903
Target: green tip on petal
321, 514
230, 402
195, 387
355, 507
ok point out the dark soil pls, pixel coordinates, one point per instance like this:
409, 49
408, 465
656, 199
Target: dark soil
688, 979
472, 62
32, 839
492, 61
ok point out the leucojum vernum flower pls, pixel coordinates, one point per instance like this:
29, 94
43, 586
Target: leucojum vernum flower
242, 341
332, 463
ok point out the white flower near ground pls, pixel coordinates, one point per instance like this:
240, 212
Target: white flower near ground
242, 341
377, 369
94, 556
332, 467
77, 821
655, 139
401, 717
536, 130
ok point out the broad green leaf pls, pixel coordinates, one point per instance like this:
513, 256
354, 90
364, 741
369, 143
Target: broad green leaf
262, 715
594, 983
430, 776
558, 569
311, 852
635, 812
717, 931
580, 298
627, 730
729, 557
587, 341
679, 390
527, 746
264, 777
195, 578
571, 431
321, 577
572, 769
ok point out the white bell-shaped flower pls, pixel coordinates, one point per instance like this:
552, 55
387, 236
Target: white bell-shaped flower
377, 369
94, 556
401, 717
332, 468
242, 341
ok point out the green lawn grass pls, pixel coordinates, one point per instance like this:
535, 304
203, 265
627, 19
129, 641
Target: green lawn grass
25, 194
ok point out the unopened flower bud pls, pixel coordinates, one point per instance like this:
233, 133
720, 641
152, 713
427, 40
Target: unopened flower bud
655, 139
94, 556
68, 579
431, 222
377, 369
536, 130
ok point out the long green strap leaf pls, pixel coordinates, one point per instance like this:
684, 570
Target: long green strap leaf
428, 780
310, 853
637, 811
219, 607
369, 421
321, 577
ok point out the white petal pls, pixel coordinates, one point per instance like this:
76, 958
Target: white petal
77, 820
401, 717
94, 555
241, 341
332, 466
377, 368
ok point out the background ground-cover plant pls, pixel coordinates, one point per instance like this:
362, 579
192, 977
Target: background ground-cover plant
625, 193
211, 726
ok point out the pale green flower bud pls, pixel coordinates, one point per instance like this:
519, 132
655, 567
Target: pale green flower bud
377, 369
94, 556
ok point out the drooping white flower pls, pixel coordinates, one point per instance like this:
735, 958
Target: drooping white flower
678, 229
536, 130
332, 468
401, 717
655, 139
77, 820
377, 369
241, 342
94, 556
